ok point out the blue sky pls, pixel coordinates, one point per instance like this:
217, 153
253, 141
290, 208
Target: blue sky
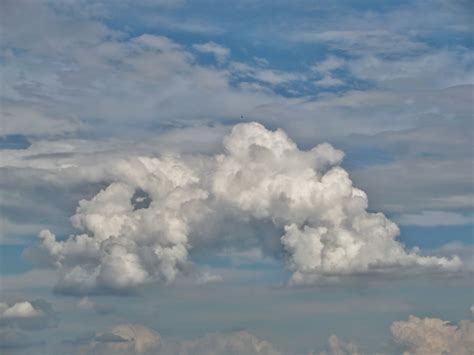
101, 99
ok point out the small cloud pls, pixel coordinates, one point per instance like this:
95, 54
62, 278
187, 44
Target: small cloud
221, 53
28, 315
154, 42
331, 63
329, 81
207, 277
18, 310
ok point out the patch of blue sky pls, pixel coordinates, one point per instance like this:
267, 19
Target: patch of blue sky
238, 263
12, 260
431, 237
452, 39
360, 157
14, 141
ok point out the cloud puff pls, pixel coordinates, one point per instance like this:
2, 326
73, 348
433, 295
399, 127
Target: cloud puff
434, 336
18, 319
27, 315
141, 227
18, 310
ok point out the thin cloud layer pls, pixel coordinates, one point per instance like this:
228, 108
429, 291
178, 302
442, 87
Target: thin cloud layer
327, 231
138, 339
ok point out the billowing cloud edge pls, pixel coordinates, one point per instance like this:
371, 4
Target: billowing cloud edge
141, 228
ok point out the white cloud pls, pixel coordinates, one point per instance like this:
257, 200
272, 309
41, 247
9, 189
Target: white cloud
27, 315
328, 232
18, 310
328, 65
206, 277
126, 247
221, 53
268, 76
464, 251
434, 336
329, 81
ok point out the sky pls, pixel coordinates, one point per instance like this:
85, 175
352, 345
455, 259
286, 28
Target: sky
246, 177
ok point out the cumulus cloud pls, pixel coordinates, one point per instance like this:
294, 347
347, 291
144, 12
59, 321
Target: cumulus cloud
18, 310
124, 247
434, 336
28, 315
328, 231
262, 174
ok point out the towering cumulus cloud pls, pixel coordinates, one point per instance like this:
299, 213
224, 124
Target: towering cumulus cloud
140, 228
328, 231
124, 245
